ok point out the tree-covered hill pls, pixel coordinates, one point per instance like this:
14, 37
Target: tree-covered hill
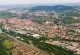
50, 8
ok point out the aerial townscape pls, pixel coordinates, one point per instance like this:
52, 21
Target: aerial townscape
40, 30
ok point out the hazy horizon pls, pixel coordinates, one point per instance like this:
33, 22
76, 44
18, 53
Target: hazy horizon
30, 2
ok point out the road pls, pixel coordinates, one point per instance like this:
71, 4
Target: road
30, 46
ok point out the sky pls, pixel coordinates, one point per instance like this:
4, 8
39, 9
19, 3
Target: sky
10, 2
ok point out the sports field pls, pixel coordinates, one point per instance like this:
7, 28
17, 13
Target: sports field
7, 43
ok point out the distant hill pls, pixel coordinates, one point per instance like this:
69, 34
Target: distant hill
50, 8
72, 4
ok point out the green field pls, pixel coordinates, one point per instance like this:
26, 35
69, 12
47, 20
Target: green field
7, 43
